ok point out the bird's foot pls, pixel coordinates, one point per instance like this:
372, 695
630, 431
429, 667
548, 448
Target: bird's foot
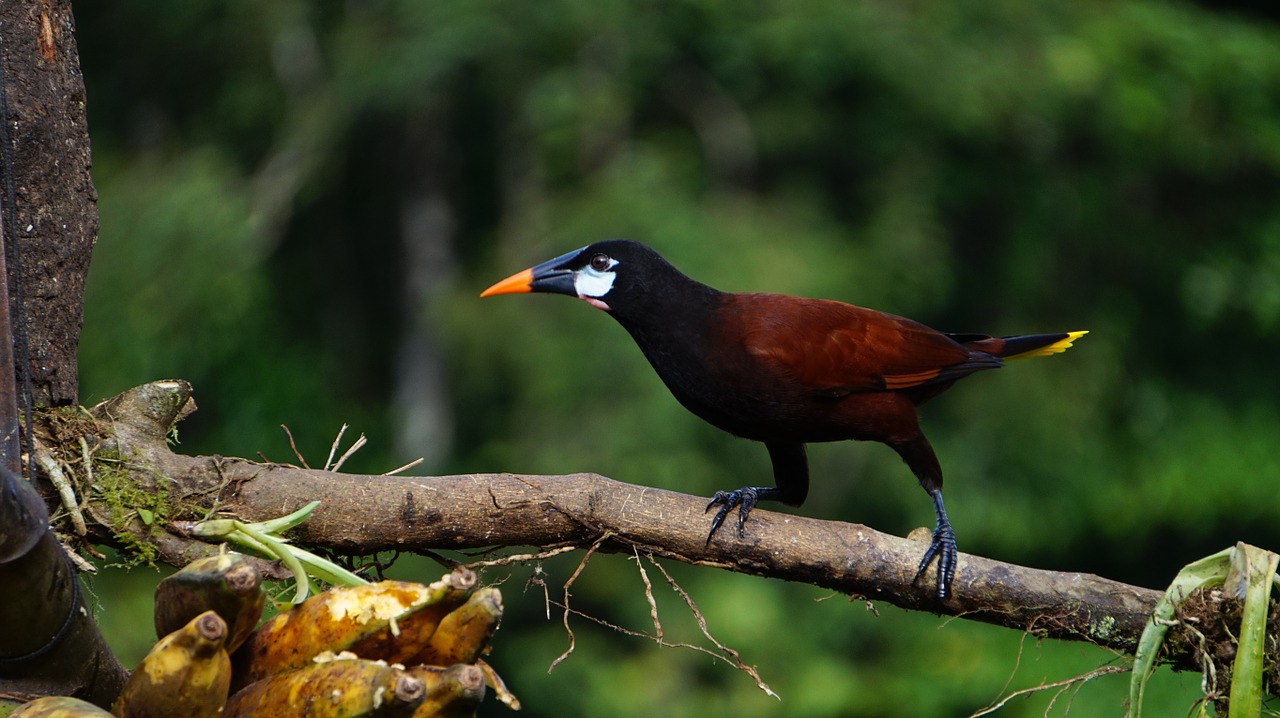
744, 498
943, 547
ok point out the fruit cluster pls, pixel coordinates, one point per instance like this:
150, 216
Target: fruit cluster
391, 648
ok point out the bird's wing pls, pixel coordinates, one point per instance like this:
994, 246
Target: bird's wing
835, 348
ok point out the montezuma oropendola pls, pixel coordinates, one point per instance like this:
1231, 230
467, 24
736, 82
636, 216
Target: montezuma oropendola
784, 370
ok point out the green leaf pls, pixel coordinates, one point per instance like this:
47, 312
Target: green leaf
1255, 570
1208, 571
263, 538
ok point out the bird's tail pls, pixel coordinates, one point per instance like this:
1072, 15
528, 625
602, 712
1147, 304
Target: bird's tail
1020, 347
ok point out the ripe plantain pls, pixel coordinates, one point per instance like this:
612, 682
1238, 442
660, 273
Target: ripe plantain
464, 634
345, 687
59, 707
390, 620
452, 692
186, 674
226, 583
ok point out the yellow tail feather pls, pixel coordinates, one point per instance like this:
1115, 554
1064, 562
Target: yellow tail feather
1055, 348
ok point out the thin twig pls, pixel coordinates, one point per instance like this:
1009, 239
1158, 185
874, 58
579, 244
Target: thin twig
1208, 671
660, 641
522, 557
577, 572
641, 634
294, 446
1017, 663
328, 462
406, 467
702, 625
81, 563
536, 579
53, 469
648, 594
434, 556
87, 457
1099, 671
349, 452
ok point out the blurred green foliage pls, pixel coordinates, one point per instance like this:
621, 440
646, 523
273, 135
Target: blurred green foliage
301, 201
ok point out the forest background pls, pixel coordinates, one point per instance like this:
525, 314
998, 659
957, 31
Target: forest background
301, 201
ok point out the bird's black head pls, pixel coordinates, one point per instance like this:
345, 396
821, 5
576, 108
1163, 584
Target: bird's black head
619, 276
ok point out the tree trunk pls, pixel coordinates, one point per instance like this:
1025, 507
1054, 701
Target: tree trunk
50, 643
56, 217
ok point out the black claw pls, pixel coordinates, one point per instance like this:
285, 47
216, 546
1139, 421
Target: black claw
720, 498
943, 547
744, 498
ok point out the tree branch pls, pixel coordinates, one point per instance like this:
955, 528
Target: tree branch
362, 514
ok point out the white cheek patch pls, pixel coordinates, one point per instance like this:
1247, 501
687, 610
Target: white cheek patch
592, 283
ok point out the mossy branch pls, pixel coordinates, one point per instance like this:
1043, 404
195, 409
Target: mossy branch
361, 515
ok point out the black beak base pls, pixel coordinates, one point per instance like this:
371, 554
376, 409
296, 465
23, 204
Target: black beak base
552, 277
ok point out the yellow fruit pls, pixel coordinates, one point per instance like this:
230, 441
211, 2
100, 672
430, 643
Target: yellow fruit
464, 635
341, 688
452, 692
227, 583
59, 707
186, 674
390, 620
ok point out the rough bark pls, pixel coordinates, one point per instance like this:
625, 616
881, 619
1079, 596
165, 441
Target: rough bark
362, 514
365, 514
56, 209
50, 643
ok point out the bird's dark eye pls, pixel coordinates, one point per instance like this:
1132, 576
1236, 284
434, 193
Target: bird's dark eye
601, 262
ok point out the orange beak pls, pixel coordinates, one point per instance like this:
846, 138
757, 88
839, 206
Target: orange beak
551, 276
518, 283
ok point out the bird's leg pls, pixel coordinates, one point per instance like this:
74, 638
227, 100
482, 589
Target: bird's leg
790, 472
943, 547
924, 464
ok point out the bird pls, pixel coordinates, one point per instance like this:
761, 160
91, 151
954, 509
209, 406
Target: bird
784, 371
